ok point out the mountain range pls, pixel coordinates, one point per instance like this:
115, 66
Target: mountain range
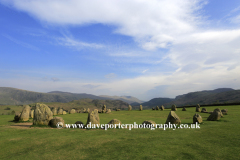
13, 96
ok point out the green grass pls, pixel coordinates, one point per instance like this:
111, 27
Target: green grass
214, 140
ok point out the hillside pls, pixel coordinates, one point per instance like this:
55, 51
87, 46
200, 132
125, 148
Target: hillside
217, 96
128, 99
13, 96
157, 102
88, 103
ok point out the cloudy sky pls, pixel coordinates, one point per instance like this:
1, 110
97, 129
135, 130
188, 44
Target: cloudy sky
142, 48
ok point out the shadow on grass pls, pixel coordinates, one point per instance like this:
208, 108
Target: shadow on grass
20, 121
41, 126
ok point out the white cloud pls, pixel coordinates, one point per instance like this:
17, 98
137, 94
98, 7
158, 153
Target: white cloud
71, 42
144, 70
153, 24
110, 75
203, 58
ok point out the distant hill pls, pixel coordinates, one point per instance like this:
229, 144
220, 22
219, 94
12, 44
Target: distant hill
88, 103
157, 102
128, 99
13, 96
217, 96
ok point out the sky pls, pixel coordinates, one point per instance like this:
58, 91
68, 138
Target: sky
141, 48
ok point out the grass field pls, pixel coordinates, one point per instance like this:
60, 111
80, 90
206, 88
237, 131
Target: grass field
214, 140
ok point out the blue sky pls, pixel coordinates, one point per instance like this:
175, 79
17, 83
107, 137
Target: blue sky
146, 49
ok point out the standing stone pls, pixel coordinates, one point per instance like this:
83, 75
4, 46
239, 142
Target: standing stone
153, 108
53, 122
204, 110
174, 107
140, 108
93, 117
25, 113
60, 111
129, 107
108, 111
215, 115
42, 114
118, 110
64, 112
88, 110
99, 111
184, 109
32, 113
149, 122
173, 118
104, 109
162, 107
224, 111
157, 108
218, 110
72, 111
84, 110
197, 118
198, 108
54, 111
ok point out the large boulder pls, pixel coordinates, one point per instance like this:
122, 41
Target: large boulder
157, 108
53, 122
215, 115
54, 111
31, 113
129, 107
25, 113
150, 122
173, 118
140, 108
60, 111
42, 114
184, 109
72, 111
93, 117
197, 118
104, 109
162, 107
174, 107
198, 108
